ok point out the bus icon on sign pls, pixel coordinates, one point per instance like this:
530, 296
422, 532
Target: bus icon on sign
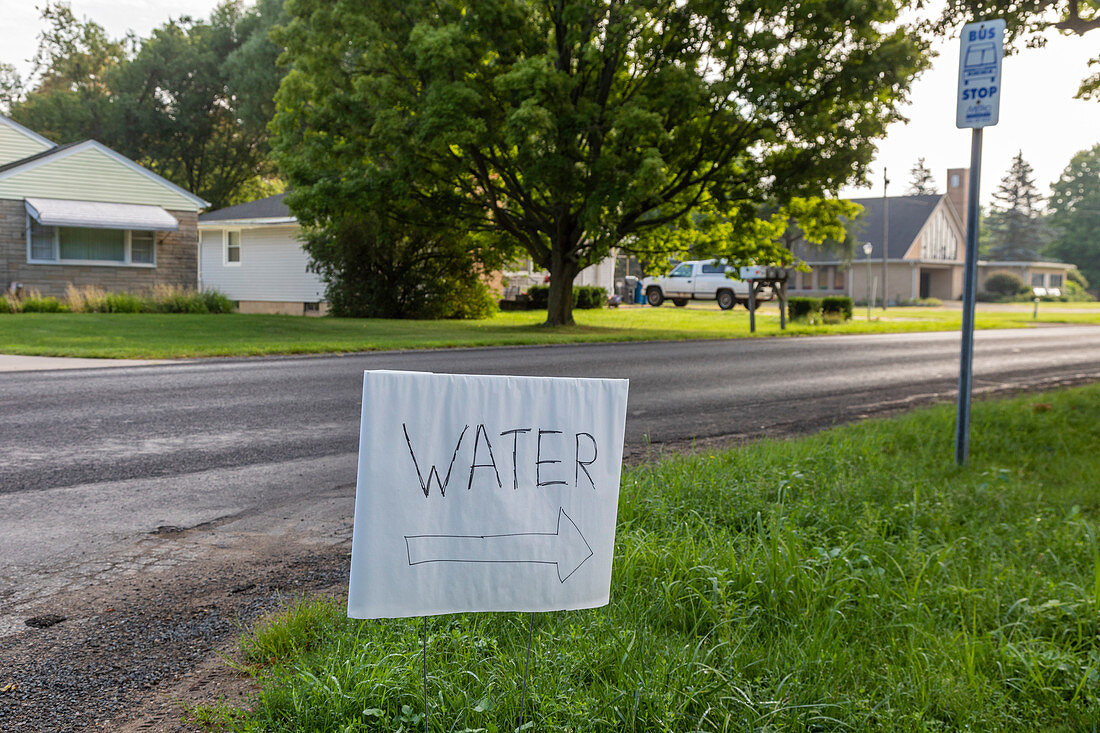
981, 58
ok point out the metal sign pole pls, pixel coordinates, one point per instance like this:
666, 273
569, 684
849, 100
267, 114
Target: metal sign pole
970, 286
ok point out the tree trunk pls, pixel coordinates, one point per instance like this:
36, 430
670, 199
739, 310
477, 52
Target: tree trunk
559, 308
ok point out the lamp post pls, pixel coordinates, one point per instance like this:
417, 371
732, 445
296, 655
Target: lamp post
885, 234
867, 253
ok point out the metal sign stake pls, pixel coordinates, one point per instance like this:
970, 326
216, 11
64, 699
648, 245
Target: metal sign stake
424, 658
526, 665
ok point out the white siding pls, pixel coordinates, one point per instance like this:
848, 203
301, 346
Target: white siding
272, 267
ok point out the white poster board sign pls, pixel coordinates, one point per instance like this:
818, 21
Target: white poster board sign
485, 493
979, 91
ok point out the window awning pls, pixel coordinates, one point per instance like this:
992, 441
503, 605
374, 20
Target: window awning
98, 215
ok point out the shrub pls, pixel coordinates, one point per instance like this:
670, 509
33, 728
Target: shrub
589, 296
804, 309
35, 303
584, 297
378, 266
470, 299
173, 299
837, 305
1004, 285
538, 297
87, 299
217, 302
1075, 276
924, 302
1072, 290
8, 304
123, 303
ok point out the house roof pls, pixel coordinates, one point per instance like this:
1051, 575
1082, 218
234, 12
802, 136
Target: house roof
907, 217
271, 207
37, 156
74, 171
26, 132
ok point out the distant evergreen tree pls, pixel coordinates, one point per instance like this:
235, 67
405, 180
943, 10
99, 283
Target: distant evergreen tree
1016, 228
920, 180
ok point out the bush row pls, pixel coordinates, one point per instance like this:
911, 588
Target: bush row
160, 299
584, 297
832, 308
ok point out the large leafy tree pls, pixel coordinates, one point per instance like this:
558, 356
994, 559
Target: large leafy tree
575, 126
192, 101
1074, 214
1016, 228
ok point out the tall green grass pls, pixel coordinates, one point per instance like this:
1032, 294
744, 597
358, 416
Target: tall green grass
853, 580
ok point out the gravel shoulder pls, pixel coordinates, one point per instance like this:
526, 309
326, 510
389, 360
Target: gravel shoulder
144, 638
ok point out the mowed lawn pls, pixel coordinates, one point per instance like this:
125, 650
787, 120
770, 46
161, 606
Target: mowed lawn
855, 580
166, 336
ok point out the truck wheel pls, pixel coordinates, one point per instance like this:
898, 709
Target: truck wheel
654, 297
680, 302
726, 299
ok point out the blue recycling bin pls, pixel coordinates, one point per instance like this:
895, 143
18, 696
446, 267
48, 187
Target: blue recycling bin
639, 296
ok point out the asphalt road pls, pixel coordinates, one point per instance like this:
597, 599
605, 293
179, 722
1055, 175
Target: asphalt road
69, 429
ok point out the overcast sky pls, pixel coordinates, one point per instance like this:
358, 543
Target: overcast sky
1038, 113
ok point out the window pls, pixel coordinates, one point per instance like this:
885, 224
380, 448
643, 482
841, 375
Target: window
808, 280
1055, 281
840, 281
1037, 280
233, 248
711, 268
89, 246
100, 245
827, 276
683, 270
954, 180
142, 248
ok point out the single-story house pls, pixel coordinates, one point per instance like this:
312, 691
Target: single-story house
252, 254
925, 251
85, 215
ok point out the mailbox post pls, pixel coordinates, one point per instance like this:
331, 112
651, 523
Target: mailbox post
759, 277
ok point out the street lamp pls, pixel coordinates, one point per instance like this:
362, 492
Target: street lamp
867, 253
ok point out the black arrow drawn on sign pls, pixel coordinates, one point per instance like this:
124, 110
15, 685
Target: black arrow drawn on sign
565, 547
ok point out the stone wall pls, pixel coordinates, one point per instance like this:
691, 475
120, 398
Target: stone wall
177, 260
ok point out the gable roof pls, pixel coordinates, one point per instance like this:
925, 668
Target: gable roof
271, 207
907, 216
37, 156
18, 142
9, 122
76, 171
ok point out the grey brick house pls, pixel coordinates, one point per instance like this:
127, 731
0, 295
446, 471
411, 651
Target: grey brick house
83, 214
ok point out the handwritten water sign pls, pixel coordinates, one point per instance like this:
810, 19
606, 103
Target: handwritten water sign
979, 92
485, 493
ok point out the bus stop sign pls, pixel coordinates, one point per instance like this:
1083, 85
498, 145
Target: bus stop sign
980, 74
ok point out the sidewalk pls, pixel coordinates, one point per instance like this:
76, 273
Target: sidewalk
11, 363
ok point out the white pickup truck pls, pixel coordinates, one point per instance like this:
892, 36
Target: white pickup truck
700, 280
